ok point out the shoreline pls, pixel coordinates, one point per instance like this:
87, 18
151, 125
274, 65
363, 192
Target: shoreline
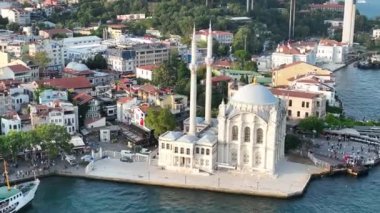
260, 192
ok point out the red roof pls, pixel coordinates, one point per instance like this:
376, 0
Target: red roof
292, 93
144, 107
19, 68
124, 99
69, 83
327, 6
149, 67
220, 78
149, 88
328, 42
82, 98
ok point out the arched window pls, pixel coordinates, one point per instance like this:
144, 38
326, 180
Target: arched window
259, 135
247, 134
235, 132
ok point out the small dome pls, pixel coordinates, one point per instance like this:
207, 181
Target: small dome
77, 66
254, 94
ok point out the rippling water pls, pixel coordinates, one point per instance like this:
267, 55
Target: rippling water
340, 194
359, 92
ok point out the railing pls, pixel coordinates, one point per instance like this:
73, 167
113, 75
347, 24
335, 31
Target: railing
318, 162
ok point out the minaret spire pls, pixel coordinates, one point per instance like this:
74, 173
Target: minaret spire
209, 62
193, 89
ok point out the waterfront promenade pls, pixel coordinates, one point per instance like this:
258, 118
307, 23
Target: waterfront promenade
291, 180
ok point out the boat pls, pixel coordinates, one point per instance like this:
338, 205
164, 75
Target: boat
12, 199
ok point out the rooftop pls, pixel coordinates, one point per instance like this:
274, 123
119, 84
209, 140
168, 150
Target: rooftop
293, 93
69, 83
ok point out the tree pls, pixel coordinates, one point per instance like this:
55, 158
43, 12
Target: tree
13, 26
292, 142
41, 59
242, 57
160, 120
98, 62
3, 22
165, 75
312, 124
53, 139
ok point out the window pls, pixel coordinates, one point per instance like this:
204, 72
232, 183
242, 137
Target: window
318, 103
317, 114
182, 150
259, 136
175, 149
202, 151
290, 103
197, 150
289, 112
307, 104
207, 151
298, 113
306, 114
247, 134
257, 159
303, 104
162, 146
167, 146
187, 151
234, 133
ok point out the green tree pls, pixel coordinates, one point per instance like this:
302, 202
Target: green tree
312, 124
165, 75
3, 22
98, 62
13, 26
292, 142
160, 120
41, 59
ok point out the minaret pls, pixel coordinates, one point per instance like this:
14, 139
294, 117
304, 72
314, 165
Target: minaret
349, 21
193, 87
209, 62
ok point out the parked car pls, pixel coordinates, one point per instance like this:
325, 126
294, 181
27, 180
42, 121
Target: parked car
145, 151
86, 158
126, 159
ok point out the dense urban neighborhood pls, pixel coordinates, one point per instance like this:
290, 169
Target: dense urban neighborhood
220, 93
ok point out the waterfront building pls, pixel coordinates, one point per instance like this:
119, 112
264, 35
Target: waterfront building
58, 112
315, 84
349, 22
294, 52
248, 134
331, 51
301, 104
281, 75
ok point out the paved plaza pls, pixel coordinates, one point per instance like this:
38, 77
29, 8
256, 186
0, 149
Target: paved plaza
291, 180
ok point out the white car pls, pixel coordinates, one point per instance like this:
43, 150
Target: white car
145, 151
86, 158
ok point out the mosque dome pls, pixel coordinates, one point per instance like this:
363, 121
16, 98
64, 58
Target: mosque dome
77, 66
254, 94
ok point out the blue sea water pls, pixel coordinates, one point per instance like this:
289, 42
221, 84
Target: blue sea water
371, 8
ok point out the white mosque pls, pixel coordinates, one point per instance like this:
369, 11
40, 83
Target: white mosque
247, 136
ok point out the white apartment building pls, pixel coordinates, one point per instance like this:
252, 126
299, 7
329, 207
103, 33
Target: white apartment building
125, 106
146, 72
54, 50
331, 51
58, 113
16, 15
223, 37
121, 60
376, 33
10, 121
19, 97
294, 52
5, 100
